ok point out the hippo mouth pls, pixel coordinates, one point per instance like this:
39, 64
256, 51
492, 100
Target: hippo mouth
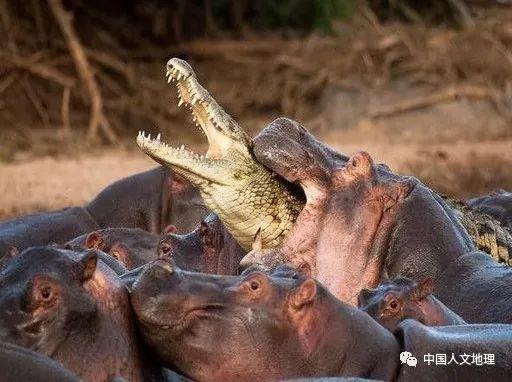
224, 135
186, 319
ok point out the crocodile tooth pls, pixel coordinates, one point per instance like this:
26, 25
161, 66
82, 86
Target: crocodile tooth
182, 147
180, 101
158, 137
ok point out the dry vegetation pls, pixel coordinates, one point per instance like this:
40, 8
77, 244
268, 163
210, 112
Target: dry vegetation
433, 101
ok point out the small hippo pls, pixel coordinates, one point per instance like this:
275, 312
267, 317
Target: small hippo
23, 365
256, 327
393, 301
210, 248
68, 305
497, 204
133, 247
149, 200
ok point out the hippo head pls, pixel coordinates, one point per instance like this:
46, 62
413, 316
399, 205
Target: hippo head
209, 248
360, 222
132, 247
42, 293
393, 301
219, 328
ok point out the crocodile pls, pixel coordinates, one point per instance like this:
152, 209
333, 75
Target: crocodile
242, 192
245, 194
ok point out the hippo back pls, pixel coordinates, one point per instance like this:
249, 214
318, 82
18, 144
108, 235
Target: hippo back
470, 346
477, 288
497, 204
46, 228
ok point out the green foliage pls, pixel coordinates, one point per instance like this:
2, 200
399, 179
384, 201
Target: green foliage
303, 14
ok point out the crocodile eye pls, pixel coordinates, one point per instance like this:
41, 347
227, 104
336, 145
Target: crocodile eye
115, 255
393, 304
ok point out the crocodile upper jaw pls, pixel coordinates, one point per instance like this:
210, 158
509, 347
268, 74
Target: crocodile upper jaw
228, 142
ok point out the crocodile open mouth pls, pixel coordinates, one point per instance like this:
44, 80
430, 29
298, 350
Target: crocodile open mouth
222, 132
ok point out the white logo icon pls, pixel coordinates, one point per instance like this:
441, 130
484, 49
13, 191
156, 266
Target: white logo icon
406, 357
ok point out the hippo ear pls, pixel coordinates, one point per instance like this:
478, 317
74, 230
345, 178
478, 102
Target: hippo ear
304, 294
425, 288
119, 252
257, 243
171, 228
86, 265
95, 240
178, 184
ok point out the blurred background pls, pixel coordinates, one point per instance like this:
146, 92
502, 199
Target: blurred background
424, 86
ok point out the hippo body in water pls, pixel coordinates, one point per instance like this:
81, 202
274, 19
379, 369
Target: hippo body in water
396, 300
256, 327
151, 200
22, 365
497, 204
362, 224
69, 306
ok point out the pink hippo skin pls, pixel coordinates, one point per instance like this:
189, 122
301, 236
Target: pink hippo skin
256, 327
69, 306
363, 224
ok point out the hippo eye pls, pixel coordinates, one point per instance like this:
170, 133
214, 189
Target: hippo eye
255, 285
165, 248
46, 293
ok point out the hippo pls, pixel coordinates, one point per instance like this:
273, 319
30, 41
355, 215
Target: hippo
210, 248
282, 324
26, 365
151, 200
133, 247
480, 352
73, 308
497, 204
47, 227
256, 327
363, 224
393, 301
